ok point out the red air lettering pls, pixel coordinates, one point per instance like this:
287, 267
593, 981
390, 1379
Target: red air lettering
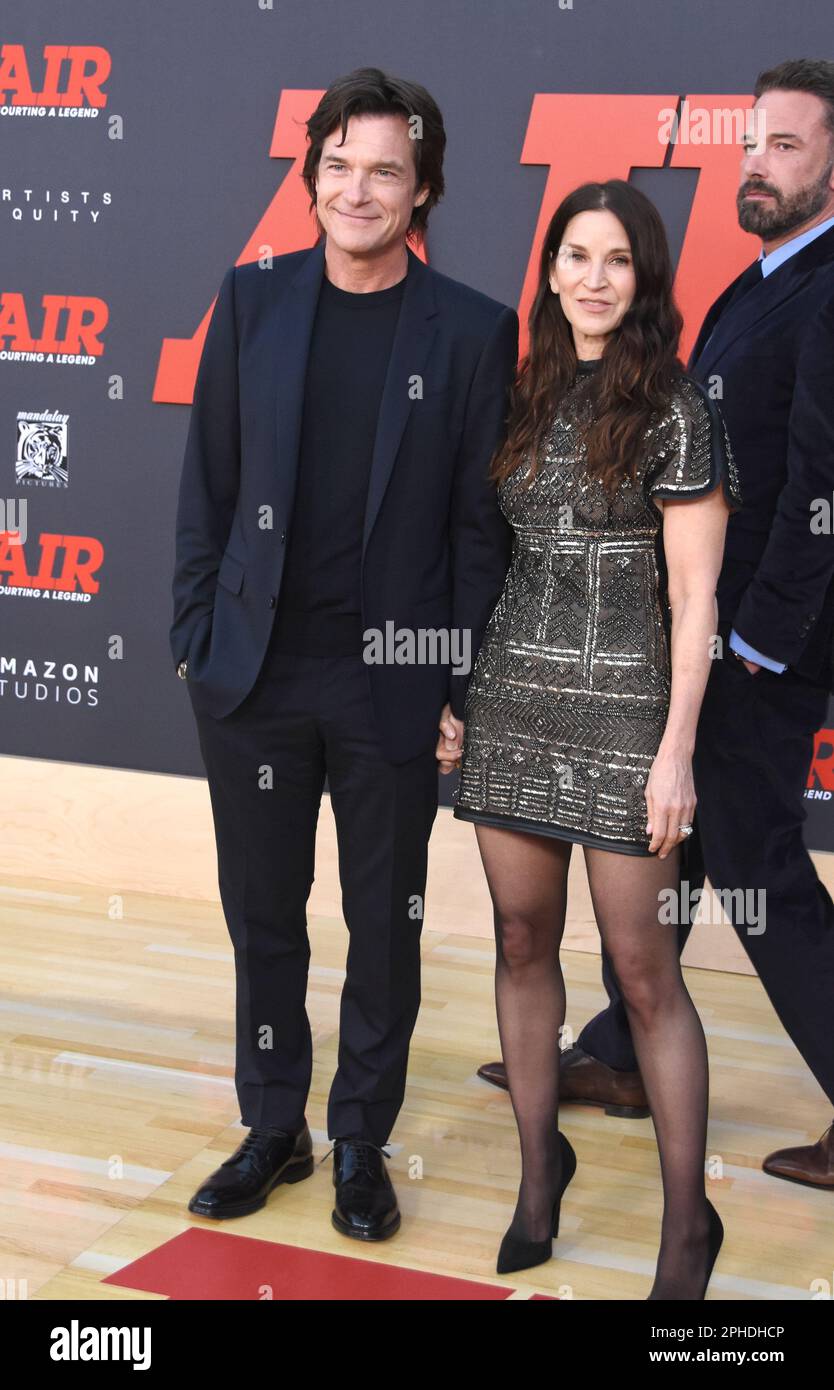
821, 773
73, 570
70, 87
85, 317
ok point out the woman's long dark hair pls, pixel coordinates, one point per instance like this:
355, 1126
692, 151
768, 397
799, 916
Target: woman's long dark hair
639, 361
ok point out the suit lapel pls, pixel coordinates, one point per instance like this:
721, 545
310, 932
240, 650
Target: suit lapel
758, 302
413, 338
750, 310
713, 315
295, 327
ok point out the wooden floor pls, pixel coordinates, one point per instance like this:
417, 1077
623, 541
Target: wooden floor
116, 1100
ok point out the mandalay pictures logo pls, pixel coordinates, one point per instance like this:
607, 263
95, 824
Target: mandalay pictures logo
41, 459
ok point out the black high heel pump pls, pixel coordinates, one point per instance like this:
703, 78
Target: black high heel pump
517, 1253
715, 1240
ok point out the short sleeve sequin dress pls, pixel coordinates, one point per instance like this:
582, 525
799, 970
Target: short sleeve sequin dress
569, 695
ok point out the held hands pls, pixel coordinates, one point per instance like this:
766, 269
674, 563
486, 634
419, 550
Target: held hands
670, 800
450, 742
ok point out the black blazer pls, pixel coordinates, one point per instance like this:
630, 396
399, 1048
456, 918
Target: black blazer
436, 546
773, 352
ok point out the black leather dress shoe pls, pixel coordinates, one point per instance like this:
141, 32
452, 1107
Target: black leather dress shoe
366, 1203
266, 1158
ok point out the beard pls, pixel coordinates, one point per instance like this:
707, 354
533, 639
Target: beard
786, 212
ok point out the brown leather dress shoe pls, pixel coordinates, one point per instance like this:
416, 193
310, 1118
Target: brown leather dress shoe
810, 1164
495, 1073
584, 1080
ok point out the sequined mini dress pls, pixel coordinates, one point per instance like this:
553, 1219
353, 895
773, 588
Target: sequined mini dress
569, 694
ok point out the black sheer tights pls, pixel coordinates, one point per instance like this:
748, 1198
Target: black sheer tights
527, 877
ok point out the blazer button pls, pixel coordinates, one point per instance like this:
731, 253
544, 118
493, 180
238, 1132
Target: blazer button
271, 601
283, 536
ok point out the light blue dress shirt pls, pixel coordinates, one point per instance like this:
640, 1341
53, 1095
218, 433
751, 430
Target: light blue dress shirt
770, 263
778, 257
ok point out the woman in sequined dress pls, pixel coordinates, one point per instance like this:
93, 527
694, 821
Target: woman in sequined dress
616, 477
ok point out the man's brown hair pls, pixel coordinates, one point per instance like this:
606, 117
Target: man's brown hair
371, 92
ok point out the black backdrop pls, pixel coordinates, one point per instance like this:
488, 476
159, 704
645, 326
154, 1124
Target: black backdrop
123, 201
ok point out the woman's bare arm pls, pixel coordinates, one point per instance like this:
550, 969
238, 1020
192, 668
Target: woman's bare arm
693, 544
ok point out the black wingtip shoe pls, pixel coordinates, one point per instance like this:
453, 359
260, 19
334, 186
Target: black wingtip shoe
366, 1203
265, 1159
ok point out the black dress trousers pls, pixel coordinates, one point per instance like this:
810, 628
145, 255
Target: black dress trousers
753, 748
307, 718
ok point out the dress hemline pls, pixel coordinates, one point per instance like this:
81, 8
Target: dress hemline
558, 832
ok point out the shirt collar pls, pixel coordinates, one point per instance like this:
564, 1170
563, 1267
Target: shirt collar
783, 253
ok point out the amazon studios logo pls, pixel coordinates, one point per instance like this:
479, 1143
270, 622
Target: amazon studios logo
68, 683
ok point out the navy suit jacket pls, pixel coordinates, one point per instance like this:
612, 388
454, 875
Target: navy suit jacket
773, 352
436, 546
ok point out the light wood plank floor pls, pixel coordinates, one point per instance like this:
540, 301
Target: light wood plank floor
116, 1099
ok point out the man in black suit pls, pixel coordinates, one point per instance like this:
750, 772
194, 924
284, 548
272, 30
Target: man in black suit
334, 508
766, 349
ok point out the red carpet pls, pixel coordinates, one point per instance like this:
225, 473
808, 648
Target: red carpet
206, 1264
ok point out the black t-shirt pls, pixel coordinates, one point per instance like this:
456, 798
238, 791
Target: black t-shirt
319, 608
